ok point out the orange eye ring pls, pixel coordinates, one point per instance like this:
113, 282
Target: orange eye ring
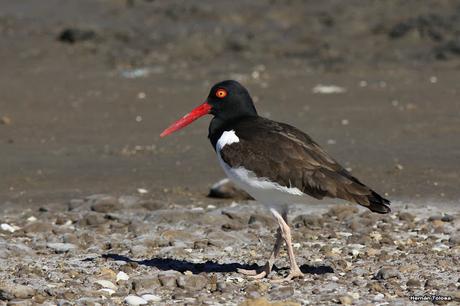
221, 93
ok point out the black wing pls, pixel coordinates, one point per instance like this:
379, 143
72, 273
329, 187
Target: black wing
283, 154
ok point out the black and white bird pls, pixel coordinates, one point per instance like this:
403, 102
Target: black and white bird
275, 163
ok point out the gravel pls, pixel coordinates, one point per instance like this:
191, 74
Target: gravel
181, 254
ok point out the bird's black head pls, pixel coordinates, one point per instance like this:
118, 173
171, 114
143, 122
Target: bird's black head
227, 101
230, 100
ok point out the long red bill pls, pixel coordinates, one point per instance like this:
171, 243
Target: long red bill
201, 110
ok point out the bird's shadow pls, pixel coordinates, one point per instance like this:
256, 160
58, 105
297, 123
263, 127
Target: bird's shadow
165, 264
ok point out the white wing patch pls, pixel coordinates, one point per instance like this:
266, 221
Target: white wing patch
261, 189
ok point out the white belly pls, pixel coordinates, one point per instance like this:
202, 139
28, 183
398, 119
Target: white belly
263, 190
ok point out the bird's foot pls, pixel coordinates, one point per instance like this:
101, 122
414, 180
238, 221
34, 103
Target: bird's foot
295, 273
257, 274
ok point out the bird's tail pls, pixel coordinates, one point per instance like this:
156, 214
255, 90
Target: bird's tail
365, 196
378, 204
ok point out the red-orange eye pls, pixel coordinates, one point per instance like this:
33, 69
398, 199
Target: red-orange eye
221, 93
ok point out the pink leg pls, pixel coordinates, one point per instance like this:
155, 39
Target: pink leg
286, 234
269, 265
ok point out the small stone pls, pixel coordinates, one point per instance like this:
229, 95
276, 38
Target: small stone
92, 219
372, 252
74, 35
106, 273
142, 190
168, 279
108, 291
342, 211
262, 219
192, 282
378, 297
106, 284
12, 291
447, 218
75, 203
437, 223
435, 218
413, 283
376, 287
345, 300
144, 285
232, 226
256, 289
38, 227
122, 276
386, 273
455, 239
265, 302
7, 228
151, 298
154, 205
225, 189
405, 216
310, 221
282, 292
60, 247
31, 219
5, 120
433, 284
135, 300
39, 298
129, 200
105, 204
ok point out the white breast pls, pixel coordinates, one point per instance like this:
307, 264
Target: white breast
261, 189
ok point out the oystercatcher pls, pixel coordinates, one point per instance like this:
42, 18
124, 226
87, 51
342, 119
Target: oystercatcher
276, 163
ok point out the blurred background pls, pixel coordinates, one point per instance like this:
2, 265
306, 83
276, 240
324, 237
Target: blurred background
87, 86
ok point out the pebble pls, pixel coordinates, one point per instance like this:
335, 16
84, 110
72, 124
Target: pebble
413, 283
18, 291
168, 279
447, 218
122, 276
104, 203
192, 282
378, 297
7, 228
455, 239
440, 247
310, 221
38, 227
60, 247
144, 285
135, 300
328, 89
129, 200
386, 273
151, 298
225, 189
5, 120
107, 290
31, 219
405, 216
256, 289
106, 284
264, 302
346, 300
282, 292
142, 190
153, 205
